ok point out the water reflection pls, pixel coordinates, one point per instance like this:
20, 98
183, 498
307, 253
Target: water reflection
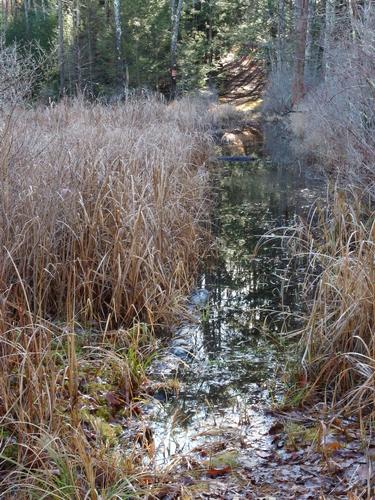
234, 369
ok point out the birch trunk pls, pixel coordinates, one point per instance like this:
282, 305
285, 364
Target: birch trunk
176, 11
77, 45
280, 35
121, 64
310, 66
328, 34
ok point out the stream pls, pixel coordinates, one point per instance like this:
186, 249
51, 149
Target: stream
229, 363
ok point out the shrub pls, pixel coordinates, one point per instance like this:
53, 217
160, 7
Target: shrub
336, 121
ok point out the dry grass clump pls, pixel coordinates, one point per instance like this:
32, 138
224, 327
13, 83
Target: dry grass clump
103, 217
336, 125
339, 336
58, 437
226, 116
102, 209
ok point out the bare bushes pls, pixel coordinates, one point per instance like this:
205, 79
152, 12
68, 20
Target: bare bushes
102, 209
335, 124
339, 335
18, 73
336, 121
278, 98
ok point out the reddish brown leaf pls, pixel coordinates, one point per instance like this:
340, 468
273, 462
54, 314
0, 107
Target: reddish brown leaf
219, 472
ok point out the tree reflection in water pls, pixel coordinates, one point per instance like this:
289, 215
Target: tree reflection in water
235, 358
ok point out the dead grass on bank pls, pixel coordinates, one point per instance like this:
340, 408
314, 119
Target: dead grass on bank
103, 217
102, 209
338, 338
334, 126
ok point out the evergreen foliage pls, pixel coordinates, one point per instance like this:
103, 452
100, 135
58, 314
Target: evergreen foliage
209, 31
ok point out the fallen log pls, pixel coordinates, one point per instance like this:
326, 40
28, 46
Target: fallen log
234, 159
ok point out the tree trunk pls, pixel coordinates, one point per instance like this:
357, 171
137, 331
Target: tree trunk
60, 15
77, 46
354, 14
210, 35
298, 84
280, 35
176, 11
328, 34
121, 64
27, 23
310, 63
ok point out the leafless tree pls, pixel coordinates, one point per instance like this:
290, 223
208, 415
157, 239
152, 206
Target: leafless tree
18, 73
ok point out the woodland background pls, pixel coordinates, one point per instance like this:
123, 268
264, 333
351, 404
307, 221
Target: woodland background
104, 48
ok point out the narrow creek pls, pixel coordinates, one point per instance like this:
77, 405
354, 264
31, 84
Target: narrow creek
229, 364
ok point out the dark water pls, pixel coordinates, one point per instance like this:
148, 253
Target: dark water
238, 355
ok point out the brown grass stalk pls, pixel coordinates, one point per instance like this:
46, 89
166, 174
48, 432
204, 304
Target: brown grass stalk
103, 223
339, 335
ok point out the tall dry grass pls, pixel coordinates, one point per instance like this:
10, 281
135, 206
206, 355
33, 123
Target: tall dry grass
338, 338
103, 209
103, 223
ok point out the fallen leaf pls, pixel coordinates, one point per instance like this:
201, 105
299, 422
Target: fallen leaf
147, 479
219, 472
276, 429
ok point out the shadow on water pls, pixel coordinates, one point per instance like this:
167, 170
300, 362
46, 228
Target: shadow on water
233, 373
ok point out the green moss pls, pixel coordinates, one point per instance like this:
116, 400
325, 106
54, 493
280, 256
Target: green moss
299, 436
10, 451
103, 412
224, 459
105, 432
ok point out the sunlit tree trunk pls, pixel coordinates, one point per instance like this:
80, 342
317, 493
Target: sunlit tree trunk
176, 11
298, 84
61, 56
77, 45
121, 64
